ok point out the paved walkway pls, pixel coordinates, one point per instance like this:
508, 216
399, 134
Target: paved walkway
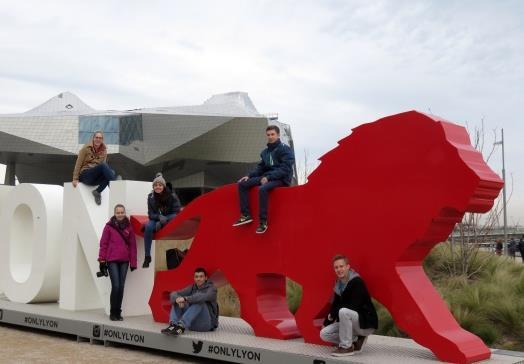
20, 345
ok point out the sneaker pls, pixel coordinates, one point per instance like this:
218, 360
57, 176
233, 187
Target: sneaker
361, 340
147, 260
262, 227
344, 351
120, 318
97, 196
179, 330
244, 219
169, 330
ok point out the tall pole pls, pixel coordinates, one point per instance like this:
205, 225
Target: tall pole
504, 197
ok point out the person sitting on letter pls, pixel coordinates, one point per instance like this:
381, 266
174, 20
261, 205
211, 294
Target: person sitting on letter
162, 206
275, 169
91, 166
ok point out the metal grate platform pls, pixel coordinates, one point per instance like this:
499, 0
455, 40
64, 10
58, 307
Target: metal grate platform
232, 341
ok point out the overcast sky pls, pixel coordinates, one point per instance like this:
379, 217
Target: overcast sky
325, 67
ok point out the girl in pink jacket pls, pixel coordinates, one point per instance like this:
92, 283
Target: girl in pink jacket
117, 253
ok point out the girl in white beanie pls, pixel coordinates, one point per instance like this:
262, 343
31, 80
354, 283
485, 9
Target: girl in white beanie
162, 206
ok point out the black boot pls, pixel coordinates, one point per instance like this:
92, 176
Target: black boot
147, 260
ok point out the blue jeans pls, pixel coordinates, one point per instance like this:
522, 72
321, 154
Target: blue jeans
263, 191
149, 231
99, 176
195, 317
117, 274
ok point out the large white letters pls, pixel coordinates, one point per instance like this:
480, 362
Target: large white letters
4, 190
83, 225
30, 230
49, 243
84, 222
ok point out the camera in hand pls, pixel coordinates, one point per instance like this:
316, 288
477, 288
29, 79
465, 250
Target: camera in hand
102, 272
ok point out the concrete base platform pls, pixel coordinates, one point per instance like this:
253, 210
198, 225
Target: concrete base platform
233, 341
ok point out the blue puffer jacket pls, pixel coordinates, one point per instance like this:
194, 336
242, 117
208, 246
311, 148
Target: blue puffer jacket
276, 163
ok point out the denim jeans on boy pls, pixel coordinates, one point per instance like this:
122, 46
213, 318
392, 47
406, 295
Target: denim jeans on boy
117, 274
194, 317
148, 233
263, 191
99, 176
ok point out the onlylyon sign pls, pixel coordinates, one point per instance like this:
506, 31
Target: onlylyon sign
49, 241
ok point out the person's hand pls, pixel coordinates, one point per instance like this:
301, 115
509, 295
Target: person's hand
329, 317
180, 300
264, 180
102, 265
75, 183
163, 219
243, 179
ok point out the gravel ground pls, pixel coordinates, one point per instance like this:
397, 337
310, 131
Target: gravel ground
19, 345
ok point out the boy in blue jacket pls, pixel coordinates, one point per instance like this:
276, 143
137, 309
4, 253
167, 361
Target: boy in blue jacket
275, 169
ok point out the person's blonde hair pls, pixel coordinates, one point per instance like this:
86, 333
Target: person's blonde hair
117, 206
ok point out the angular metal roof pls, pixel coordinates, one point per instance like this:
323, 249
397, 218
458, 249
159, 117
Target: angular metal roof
65, 103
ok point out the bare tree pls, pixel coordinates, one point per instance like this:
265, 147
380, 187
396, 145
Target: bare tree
305, 167
474, 232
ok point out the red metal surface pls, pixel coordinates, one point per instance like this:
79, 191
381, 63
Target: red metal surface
385, 197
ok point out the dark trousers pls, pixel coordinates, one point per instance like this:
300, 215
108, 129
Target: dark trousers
263, 192
522, 254
117, 274
99, 176
150, 230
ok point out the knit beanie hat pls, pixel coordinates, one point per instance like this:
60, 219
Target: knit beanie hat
160, 179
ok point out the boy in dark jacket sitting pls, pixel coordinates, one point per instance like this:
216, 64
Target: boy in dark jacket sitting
352, 317
275, 169
194, 307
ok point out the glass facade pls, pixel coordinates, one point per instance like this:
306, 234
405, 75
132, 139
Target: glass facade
121, 130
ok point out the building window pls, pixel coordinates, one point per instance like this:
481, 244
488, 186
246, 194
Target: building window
89, 124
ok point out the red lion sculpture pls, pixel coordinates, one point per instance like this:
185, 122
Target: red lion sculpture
385, 196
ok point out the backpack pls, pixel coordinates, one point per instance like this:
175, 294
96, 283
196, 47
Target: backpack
174, 257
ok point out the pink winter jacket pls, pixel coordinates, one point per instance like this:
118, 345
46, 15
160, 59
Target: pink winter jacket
114, 248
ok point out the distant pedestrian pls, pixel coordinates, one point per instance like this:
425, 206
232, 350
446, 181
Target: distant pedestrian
498, 247
521, 248
91, 166
512, 248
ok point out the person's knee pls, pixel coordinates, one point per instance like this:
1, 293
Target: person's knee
117, 287
150, 226
244, 185
346, 313
264, 189
325, 333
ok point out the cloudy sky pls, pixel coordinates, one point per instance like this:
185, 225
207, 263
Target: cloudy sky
324, 66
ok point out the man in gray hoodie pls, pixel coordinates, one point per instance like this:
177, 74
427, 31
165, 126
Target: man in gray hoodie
194, 307
352, 317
